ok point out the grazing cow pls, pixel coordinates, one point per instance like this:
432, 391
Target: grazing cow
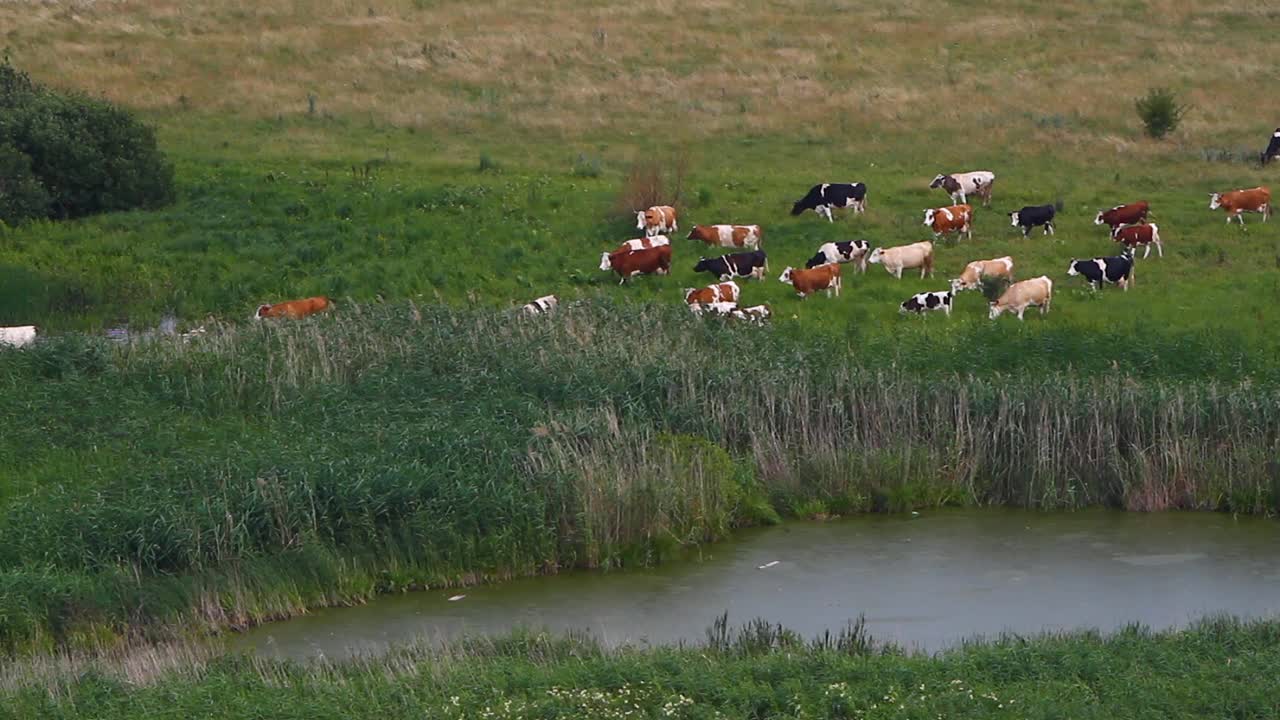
748, 236
634, 245
1021, 295
17, 336
808, 281
719, 293
925, 301
715, 308
822, 198
956, 218
1032, 215
973, 273
1135, 235
657, 220
841, 252
1116, 270
726, 267
1238, 202
294, 308
905, 257
640, 262
1124, 215
1273, 148
756, 313
541, 306
961, 185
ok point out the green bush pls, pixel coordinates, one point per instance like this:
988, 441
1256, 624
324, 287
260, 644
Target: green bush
1160, 112
85, 155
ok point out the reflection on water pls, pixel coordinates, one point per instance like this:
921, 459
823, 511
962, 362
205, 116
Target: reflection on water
925, 583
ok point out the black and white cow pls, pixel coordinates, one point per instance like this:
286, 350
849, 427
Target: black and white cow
1032, 215
822, 198
1117, 270
841, 252
926, 301
744, 264
1273, 149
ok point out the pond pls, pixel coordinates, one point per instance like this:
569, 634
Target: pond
924, 582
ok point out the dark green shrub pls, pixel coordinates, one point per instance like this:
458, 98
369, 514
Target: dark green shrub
1160, 112
87, 155
22, 197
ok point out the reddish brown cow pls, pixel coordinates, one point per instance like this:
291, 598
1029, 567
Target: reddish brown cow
294, 308
1124, 215
628, 263
1237, 202
806, 282
1135, 235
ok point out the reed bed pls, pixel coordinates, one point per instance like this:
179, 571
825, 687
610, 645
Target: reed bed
250, 474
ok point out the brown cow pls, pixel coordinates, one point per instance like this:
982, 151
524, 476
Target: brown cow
955, 218
978, 269
1124, 215
629, 263
1238, 202
294, 308
743, 236
1136, 235
806, 282
1019, 296
725, 292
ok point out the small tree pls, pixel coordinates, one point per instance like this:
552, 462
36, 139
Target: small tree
1160, 112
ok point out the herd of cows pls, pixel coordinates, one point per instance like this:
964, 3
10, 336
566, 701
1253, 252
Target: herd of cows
651, 254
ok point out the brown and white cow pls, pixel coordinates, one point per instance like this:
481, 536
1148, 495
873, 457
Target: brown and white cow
718, 293
1139, 235
294, 308
978, 269
808, 281
1130, 214
1238, 202
629, 263
905, 257
632, 245
1021, 295
951, 219
960, 185
739, 236
657, 220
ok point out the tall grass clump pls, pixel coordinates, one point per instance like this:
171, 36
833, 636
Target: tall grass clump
1160, 112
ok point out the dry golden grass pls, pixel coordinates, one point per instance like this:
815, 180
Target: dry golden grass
565, 67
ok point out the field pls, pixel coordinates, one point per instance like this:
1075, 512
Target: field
429, 163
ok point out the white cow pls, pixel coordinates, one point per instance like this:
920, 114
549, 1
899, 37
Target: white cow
17, 336
959, 185
1021, 295
905, 257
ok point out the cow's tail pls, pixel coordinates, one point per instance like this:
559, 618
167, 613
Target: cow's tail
760, 239
928, 263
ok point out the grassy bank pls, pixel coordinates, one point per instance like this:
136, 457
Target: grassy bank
262, 470
1216, 668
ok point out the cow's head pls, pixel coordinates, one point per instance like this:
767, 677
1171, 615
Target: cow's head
1013, 218
994, 311
928, 216
604, 261
261, 312
1099, 219
1215, 201
958, 284
1071, 269
876, 256
800, 206
938, 181
703, 265
786, 275
640, 218
688, 293
694, 233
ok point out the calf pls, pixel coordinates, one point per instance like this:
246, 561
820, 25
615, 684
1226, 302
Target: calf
973, 273
1238, 202
961, 185
1135, 235
542, 306
905, 257
17, 336
822, 198
1019, 296
1115, 270
294, 308
720, 293
748, 236
808, 281
657, 220
925, 301
629, 263
726, 267
1273, 148
1031, 216
1124, 215
841, 252
956, 219
756, 313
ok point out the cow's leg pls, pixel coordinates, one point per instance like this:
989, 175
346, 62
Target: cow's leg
1147, 252
898, 273
1048, 229
1160, 248
1020, 311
